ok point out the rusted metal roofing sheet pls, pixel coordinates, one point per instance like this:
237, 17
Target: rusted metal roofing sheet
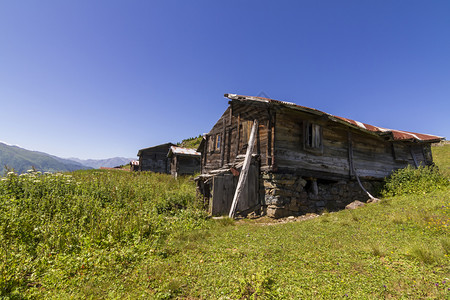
397, 135
183, 151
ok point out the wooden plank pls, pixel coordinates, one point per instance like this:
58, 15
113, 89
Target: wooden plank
244, 172
222, 143
269, 142
238, 134
350, 154
253, 184
273, 119
228, 192
229, 141
217, 196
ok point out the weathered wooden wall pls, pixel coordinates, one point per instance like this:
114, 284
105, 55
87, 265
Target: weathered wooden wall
373, 156
184, 165
155, 159
234, 128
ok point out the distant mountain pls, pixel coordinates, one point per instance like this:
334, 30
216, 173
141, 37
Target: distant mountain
98, 163
22, 160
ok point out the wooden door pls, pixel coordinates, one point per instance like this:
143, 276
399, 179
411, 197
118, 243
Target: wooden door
224, 187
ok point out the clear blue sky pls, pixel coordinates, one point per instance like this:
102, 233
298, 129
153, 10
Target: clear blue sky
97, 79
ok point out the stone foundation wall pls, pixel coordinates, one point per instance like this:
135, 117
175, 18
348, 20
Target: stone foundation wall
291, 194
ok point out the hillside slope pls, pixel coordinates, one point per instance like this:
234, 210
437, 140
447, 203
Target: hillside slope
22, 160
441, 157
191, 143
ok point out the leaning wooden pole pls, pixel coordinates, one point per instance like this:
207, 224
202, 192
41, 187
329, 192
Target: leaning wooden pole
244, 172
352, 166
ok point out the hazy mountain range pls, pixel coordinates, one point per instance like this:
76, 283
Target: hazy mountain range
108, 162
22, 160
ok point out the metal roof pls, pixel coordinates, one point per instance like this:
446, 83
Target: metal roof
183, 151
153, 147
397, 135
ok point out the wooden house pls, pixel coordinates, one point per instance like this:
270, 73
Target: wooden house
183, 161
304, 160
134, 165
155, 158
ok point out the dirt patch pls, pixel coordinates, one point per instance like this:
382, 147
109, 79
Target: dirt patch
266, 221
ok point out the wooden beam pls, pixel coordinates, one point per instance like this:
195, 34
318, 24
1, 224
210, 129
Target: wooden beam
269, 142
244, 172
238, 134
416, 163
350, 154
222, 144
274, 122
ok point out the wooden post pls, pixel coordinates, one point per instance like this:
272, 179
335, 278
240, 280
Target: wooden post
222, 144
238, 135
350, 154
269, 142
244, 172
416, 163
273, 127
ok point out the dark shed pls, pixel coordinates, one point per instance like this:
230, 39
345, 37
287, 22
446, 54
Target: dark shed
155, 159
304, 160
184, 161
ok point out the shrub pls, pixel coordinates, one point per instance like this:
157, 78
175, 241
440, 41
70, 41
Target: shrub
411, 180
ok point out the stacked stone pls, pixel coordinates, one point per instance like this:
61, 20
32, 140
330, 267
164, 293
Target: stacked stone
285, 195
290, 194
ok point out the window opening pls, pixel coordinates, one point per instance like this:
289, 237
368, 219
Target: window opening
313, 136
218, 142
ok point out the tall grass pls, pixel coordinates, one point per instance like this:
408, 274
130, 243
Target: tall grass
121, 235
44, 217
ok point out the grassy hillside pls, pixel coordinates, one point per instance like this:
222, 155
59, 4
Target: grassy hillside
128, 235
441, 156
191, 143
22, 160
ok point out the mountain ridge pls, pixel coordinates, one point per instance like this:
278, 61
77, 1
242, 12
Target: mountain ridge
21, 160
106, 162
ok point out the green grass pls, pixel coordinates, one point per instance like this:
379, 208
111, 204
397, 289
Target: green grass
191, 143
441, 156
389, 250
130, 235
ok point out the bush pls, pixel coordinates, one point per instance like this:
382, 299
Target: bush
411, 180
